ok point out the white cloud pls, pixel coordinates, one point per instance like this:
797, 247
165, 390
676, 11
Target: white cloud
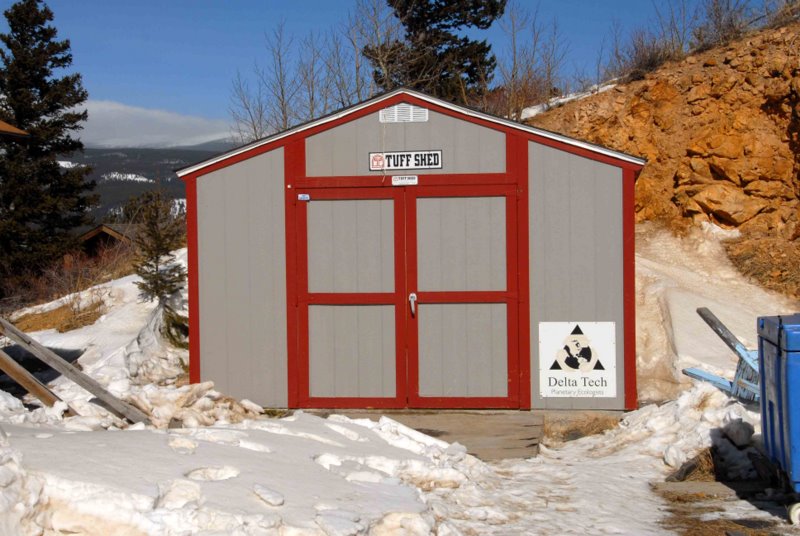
113, 124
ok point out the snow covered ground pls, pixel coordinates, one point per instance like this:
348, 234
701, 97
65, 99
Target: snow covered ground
229, 470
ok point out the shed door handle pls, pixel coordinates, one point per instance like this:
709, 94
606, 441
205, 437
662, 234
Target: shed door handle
412, 301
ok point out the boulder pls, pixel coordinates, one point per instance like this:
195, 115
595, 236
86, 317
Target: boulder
728, 204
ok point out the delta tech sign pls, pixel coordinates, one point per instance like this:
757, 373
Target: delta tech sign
405, 160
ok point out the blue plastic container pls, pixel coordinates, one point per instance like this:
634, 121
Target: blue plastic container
779, 362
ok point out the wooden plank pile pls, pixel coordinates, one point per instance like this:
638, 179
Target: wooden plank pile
32, 385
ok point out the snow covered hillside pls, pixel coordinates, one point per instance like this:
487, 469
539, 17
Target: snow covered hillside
225, 468
117, 176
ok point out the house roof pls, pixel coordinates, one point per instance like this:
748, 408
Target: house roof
11, 131
120, 231
469, 112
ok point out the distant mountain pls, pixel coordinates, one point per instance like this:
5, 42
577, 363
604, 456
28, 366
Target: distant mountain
122, 173
217, 146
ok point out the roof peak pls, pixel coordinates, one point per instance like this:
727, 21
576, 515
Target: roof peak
435, 101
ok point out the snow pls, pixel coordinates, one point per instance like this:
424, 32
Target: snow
178, 206
227, 469
66, 164
118, 176
673, 278
532, 111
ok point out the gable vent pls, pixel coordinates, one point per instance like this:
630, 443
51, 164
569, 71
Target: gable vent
404, 113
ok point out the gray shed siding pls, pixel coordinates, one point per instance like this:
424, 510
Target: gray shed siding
463, 349
576, 255
351, 246
461, 243
351, 350
242, 279
466, 147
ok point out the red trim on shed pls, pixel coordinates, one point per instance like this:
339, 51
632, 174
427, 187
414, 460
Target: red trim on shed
629, 284
193, 281
517, 166
294, 167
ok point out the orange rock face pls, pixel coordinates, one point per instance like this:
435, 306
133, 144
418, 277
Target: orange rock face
720, 131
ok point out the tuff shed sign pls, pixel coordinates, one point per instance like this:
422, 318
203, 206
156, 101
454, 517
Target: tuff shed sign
405, 160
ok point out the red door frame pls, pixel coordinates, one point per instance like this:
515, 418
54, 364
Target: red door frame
405, 278
306, 298
509, 297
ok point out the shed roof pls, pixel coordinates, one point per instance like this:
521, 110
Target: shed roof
468, 112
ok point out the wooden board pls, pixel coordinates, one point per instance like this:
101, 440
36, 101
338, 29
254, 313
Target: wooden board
114, 404
28, 381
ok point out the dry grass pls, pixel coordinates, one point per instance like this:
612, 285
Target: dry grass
557, 430
687, 519
62, 319
74, 273
688, 515
701, 468
769, 261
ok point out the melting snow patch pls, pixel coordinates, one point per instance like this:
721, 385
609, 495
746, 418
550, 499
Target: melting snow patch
350, 434
182, 445
175, 494
268, 495
339, 523
223, 472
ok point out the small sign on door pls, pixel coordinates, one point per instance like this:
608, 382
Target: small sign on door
405, 180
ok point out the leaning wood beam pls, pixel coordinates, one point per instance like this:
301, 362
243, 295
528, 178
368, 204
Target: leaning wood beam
29, 382
122, 409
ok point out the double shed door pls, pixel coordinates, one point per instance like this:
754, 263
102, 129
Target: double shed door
407, 297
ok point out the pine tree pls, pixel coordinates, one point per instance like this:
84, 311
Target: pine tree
159, 233
432, 57
40, 203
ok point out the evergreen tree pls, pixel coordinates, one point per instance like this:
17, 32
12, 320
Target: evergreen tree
159, 233
433, 57
40, 203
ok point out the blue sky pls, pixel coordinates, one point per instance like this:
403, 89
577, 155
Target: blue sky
179, 56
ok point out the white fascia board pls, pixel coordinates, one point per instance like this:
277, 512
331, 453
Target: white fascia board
465, 111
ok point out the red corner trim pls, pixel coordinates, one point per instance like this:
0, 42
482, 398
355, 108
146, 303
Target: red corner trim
194, 281
629, 285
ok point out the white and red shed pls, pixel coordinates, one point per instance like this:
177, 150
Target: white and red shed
407, 252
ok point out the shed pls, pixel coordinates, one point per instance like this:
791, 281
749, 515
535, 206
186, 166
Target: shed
409, 253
